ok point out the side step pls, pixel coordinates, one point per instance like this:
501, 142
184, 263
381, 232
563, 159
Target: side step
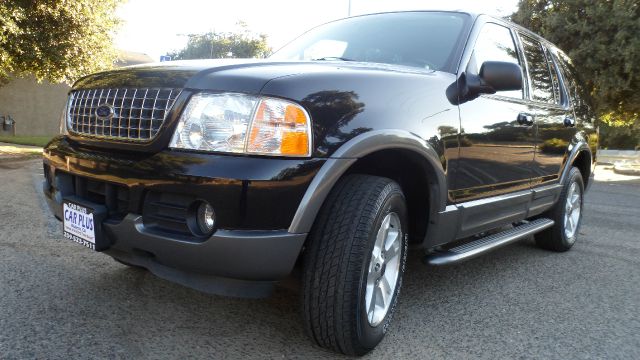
486, 244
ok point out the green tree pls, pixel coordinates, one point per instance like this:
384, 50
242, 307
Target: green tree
56, 40
601, 37
216, 45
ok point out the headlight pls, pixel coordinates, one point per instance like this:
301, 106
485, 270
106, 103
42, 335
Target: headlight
238, 123
215, 122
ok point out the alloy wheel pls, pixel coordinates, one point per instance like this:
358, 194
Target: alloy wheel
573, 208
384, 268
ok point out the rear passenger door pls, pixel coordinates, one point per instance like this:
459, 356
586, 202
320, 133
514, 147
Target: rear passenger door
549, 108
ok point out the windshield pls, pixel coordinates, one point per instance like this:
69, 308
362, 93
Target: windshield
427, 40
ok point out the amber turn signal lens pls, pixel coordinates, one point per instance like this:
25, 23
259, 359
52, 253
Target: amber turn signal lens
280, 128
295, 141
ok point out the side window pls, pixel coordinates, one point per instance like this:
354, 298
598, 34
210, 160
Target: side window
555, 77
539, 73
495, 43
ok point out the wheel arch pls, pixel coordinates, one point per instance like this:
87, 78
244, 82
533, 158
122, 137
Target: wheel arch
358, 154
583, 163
415, 177
364, 154
581, 157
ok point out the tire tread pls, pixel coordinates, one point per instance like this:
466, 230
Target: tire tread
339, 242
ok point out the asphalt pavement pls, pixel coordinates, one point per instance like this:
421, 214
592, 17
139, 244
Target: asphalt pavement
61, 300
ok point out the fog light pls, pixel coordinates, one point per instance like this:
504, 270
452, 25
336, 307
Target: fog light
205, 218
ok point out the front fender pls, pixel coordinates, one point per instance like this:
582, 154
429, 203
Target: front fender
360, 146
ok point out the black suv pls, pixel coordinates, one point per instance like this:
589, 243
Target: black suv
452, 132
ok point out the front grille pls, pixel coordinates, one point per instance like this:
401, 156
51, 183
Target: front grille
125, 114
114, 197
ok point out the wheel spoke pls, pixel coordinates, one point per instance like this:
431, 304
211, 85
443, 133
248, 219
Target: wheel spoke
385, 290
392, 237
372, 303
571, 223
373, 275
575, 201
385, 226
393, 245
575, 217
375, 257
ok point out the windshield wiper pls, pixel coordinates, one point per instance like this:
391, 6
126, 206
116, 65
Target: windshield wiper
330, 58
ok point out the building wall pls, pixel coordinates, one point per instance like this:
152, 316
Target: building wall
35, 107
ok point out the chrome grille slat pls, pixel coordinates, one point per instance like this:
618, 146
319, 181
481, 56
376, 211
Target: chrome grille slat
140, 121
138, 113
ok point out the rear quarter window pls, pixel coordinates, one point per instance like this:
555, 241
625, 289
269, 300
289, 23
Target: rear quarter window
558, 93
539, 72
579, 97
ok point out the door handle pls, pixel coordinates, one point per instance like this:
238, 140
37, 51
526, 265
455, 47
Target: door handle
525, 119
569, 121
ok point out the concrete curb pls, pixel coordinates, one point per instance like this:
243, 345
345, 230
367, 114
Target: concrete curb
616, 156
624, 169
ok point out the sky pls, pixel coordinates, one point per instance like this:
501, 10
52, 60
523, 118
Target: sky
156, 27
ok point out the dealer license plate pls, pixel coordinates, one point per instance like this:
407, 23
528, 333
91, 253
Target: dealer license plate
79, 224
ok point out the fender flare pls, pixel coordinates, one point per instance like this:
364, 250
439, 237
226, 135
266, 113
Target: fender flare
345, 156
574, 151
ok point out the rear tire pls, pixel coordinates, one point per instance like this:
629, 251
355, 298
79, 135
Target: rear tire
567, 215
353, 264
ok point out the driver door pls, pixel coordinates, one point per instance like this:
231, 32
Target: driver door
497, 142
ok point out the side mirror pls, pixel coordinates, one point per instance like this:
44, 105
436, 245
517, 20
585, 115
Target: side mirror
493, 76
501, 76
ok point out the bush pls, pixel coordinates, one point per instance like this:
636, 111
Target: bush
619, 137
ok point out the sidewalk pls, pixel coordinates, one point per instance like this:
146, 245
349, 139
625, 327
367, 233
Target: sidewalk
13, 152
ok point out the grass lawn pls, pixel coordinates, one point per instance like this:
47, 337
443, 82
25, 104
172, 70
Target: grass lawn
26, 140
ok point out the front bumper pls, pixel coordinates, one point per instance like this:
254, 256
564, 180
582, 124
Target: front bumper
243, 257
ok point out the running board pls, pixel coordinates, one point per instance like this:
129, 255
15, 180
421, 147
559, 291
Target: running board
486, 244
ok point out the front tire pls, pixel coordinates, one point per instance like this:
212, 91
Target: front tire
567, 215
354, 263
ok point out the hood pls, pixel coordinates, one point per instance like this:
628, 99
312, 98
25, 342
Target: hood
235, 75
343, 98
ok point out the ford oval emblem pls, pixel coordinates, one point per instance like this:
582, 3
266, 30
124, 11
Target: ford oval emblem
104, 111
